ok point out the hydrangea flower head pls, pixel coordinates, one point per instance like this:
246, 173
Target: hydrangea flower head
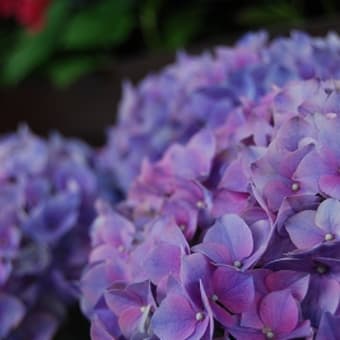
47, 190
201, 91
225, 236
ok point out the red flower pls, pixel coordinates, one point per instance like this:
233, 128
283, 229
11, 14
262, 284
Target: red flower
29, 13
7, 7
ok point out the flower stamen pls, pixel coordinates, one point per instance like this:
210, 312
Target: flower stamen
321, 269
214, 297
237, 264
331, 115
199, 316
268, 333
200, 204
329, 237
295, 187
182, 227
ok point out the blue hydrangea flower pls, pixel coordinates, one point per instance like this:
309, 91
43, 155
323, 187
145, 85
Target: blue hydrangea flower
226, 228
201, 91
47, 191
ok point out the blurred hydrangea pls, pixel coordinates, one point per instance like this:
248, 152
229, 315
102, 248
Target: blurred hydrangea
201, 91
235, 233
47, 190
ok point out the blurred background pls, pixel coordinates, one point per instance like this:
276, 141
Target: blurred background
62, 61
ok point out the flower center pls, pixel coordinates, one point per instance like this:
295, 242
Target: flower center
295, 187
72, 185
214, 298
237, 264
268, 333
199, 316
200, 204
182, 227
331, 115
321, 269
329, 237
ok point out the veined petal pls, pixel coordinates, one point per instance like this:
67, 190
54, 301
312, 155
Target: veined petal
231, 231
174, 319
279, 312
296, 282
234, 289
163, 260
327, 216
330, 185
303, 231
218, 253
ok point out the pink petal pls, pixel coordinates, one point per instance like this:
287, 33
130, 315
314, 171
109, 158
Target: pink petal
279, 311
296, 282
330, 185
234, 289
128, 320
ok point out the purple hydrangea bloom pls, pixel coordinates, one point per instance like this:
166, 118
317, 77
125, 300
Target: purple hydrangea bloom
132, 307
201, 91
231, 242
47, 191
278, 318
224, 236
310, 228
229, 162
184, 315
322, 264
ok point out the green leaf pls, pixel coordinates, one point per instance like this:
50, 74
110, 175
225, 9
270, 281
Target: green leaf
271, 14
181, 27
33, 50
64, 73
148, 15
102, 25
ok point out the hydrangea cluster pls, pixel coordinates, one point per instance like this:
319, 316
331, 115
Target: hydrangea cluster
199, 91
234, 235
47, 190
